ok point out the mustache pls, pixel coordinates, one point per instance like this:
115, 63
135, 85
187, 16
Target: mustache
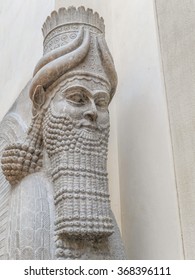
90, 125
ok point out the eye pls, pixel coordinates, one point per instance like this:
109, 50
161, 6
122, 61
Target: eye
77, 98
102, 102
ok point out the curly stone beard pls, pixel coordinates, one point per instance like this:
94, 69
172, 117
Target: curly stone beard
79, 172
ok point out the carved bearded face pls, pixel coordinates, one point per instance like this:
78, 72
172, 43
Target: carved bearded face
75, 134
84, 103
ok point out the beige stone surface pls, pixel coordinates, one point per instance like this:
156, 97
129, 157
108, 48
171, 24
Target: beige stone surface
140, 142
149, 208
176, 22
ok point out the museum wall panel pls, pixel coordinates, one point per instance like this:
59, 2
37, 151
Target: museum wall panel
176, 24
149, 208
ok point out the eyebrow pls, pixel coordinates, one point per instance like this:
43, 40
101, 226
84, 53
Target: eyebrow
96, 94
78, 87
87, 91
99, 95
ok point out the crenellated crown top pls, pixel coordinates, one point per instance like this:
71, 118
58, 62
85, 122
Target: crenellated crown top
73, 15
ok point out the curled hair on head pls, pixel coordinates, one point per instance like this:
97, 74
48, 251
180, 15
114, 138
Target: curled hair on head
23, 158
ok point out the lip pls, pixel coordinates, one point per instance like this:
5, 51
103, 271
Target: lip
89, 126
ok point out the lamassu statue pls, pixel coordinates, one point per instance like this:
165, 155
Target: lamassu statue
58, 204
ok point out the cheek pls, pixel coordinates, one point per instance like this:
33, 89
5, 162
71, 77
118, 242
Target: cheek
72, 111
103, 117
61, 106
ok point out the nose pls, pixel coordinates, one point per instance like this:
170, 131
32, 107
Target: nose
91, 113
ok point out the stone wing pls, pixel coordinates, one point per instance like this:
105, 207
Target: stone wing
11, 129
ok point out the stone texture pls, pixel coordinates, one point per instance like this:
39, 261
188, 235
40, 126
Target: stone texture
57, 169
176, 23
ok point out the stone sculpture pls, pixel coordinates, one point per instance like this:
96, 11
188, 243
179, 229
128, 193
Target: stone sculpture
59, 165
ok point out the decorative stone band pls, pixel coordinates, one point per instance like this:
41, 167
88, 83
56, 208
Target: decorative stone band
78, 171
79, 193
63, 35
62, 27
76, 228
72, 16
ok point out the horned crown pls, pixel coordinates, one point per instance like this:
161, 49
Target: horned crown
72, 15
73, 42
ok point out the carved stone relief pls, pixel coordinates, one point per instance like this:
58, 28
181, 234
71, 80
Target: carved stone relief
60, 165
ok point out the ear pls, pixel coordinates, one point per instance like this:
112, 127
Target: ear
38, 97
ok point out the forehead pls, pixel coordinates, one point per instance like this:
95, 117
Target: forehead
92, 84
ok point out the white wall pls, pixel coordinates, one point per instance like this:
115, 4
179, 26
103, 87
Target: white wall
20, 44
176, 22
149, 208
